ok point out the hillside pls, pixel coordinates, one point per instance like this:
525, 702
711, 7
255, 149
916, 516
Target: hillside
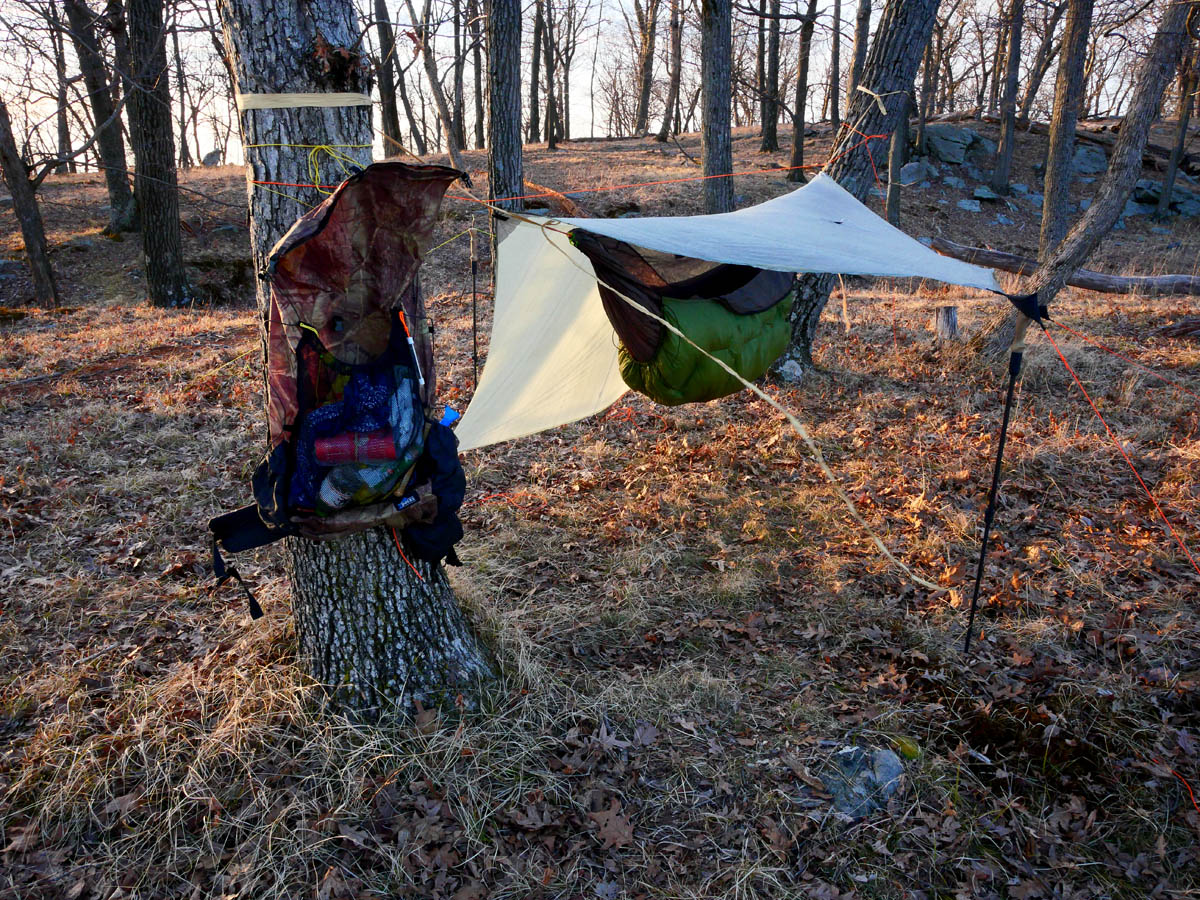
689, 624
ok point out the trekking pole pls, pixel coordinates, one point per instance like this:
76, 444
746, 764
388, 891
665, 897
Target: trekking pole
474, 308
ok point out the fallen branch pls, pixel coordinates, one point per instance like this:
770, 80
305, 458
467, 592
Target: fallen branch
1147, 285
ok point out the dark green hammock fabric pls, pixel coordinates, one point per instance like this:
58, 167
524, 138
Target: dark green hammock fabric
679, 374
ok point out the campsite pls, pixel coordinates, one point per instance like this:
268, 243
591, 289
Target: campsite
709, 650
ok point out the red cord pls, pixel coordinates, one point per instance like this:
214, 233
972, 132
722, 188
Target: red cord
1125, 455
396, 538
1148, 371
1189, 789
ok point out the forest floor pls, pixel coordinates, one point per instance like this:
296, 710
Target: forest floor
689, 624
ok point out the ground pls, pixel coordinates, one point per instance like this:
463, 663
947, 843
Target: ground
689, 623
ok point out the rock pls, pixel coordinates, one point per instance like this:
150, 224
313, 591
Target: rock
212, 158
974, 174
1039, 169
917, 170
1133, 208
968, 205
1004, 220
1020, 188
1036, 200
228, 228
1088, 180
1147, 191
877, 191
1188, 206
981, 151
925, 185
11, 267
862, 780
1089, 159
80, 244
1158, 229
983, 192
1119, 225
1085, 203
953, 181
927, 241
949, 143
791, 371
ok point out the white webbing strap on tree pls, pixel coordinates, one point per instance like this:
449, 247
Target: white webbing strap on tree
295, 101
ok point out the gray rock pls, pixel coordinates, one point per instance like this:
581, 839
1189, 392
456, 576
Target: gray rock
1039, 169
981, 151
953, 181
228, 229
974, 174
1147, 191
877, 191
1119, 225
917, 170
1158, 229
1133, 208
1020, 188
1036, 200
925, 185
80, 244
927, 241
968, 205
948, 143
1004, 220
212, 158
11, 267
1085, 203
1188, 206
863, 780
1087, 180
1089, 159
983, 192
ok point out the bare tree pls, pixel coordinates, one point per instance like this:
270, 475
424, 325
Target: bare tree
862, 36
423, 31
644, 31
808, 22
770, 90
835, 68
716, 73
1068, 94
505, 175
29, 216
675, 72
367, 626
386, 79
1008, 103
1189, 69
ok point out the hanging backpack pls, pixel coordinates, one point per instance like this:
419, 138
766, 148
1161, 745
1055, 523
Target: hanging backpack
350, 377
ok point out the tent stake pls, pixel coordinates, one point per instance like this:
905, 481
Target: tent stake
474, 310
1014, 369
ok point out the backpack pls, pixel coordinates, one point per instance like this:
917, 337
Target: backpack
351, 444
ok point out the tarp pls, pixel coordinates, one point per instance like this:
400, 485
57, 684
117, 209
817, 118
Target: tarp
553, 354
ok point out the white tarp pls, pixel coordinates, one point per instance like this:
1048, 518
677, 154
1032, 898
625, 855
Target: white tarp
553, 354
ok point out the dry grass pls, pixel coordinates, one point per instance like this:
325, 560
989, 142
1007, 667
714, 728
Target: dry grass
688, 626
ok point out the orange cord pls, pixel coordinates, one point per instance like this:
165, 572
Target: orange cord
1125, 455
396, 538
1110, 350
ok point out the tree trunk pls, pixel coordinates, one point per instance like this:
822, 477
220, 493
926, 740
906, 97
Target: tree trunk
770, 124
945, 323
60, 62
548, 64
798, 116
1042, 58
505, 176
460, 60
122, 211
835, 69
185, 156
435, 85
903, 31
393, 140
366, 626
716, 70
25, 207
676, 72
1008, 104
926, 97
862, 36
896, 154
647, 19
1068, 92
760, 63
535, 127
418, 133
155, 178
1187, 87
477, 65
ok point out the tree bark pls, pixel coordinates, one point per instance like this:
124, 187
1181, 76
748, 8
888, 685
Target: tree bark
155, 178
390, 114
896, 154
1142, 285
647, 19
1008, 103
418, 133
676, 72
903, 31
505, 175
1068, 93
716, 71
122, 211
552, 125
25, 207
770, 106
835, 69
453, 146
799, 114
1042, 58
945, 323
367, 627
862, 36
58, 38
535, 127
477, 60
1187, 88
185, 155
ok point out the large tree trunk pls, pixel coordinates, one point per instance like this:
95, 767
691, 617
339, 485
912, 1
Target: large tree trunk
1188, 82
647, 20
417, 132
57, 38
122, 211
798, 116
505, 175
1042, 59
45, 291
770, 106
716, 70
372, 631
835, 69
552, 126
155, 178
676, 72
185, 156
535, 62
393, 140
1068, 93
1008, 103
477, 65
862, 36
903, 31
